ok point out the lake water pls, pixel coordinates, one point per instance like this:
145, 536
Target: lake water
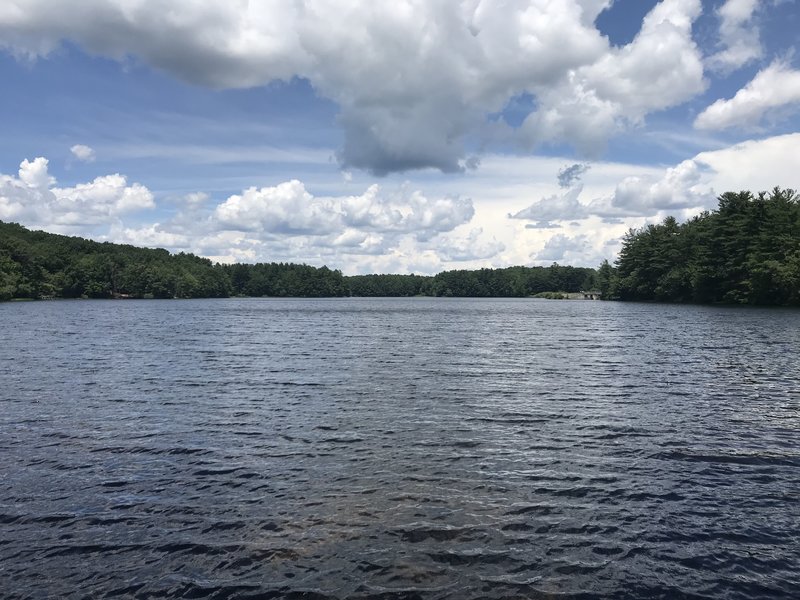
398, 448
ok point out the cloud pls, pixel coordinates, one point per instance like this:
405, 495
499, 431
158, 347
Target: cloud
283, 222
195, 199
738, 36
561, 247
25, 196
475, 246
558, 207
543, 225
679, 188
285, 208
682, 187
34, 175
414, 81
215, 154
571, 174
289, 208
33, 197
83, 153
376, 230
754, 165
353, 241
234, 246
777, 86
661, 67
586, 249
689, 186
152, 236
94, 202
404, 229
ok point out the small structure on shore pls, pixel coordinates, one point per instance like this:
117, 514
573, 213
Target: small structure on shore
584, 295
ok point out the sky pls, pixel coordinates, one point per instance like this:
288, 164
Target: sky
411, 136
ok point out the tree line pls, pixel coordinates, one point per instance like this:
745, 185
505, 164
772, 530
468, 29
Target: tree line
511, 282
36, 264
747, 251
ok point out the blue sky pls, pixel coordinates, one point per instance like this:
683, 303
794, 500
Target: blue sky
406, 137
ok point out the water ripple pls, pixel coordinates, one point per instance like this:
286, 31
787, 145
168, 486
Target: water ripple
398, 449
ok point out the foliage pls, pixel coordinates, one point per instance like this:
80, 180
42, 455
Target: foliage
482, 283
35, 264
389, 285
512, 281
284, 280
745, 252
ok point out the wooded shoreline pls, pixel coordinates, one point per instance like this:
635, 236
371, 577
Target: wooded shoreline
747, 251
40, 265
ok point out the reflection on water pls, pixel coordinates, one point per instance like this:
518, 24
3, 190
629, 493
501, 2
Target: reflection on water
410, 448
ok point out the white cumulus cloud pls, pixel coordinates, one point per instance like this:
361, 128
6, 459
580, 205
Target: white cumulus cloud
773, 88
404, 229
738, 35
755, 165
285, 208
560, 248
83, 153
558, 207
32, 197
289, 208
475, 246
682, 187
151, 236
414, 80
661, 67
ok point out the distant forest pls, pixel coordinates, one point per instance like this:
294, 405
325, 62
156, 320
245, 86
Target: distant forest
747, 251
35, 264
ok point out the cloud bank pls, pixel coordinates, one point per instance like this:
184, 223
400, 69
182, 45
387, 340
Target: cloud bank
289, 208
399, 228
414, 80
281, 222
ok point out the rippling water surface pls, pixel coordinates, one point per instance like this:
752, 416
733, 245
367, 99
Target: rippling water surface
409, 448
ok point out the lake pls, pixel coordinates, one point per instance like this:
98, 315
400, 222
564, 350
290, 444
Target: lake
398, 448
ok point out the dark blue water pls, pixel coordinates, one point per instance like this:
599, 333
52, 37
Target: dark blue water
410, 448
